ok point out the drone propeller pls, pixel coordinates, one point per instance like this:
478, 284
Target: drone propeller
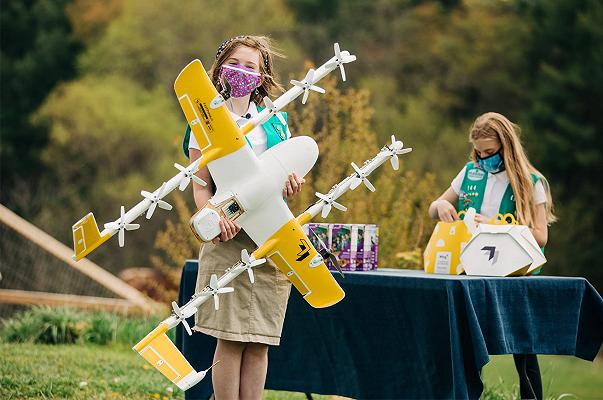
121, 225
155, 198
189, 173
273, 111
360, 178
392, 151
248, 264
307, 84
216, 291
329, 201
325, 252
340, 59
181, 317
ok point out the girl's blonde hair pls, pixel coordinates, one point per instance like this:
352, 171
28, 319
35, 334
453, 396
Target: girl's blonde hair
269, 85
519, 169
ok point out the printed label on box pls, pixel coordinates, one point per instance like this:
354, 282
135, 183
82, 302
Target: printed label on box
442, 264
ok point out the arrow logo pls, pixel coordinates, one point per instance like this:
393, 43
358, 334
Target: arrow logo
493, 253
304, 251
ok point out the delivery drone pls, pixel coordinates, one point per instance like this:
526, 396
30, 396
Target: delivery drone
249, 191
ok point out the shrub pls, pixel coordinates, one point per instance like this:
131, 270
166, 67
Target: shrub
101, 328
65, 325
45, 325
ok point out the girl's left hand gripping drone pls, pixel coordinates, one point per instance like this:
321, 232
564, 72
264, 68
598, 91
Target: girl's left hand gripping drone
248, 190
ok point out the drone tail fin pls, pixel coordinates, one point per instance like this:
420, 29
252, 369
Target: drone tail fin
86, 236
161, 353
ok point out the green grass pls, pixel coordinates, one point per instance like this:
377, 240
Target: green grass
561, 376
78, 372
87, 371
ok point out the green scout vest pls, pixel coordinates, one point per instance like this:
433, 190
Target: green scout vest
276, 132
474, 186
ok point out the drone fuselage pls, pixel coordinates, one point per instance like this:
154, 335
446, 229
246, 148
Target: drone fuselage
247, 185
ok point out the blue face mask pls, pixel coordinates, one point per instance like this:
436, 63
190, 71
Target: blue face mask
492, 164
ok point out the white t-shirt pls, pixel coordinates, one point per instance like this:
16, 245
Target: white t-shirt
495, 189
257, 136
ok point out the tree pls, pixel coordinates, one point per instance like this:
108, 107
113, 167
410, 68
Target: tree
109, 139
37, 52
566, 92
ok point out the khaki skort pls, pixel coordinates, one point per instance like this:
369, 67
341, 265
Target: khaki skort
252, 313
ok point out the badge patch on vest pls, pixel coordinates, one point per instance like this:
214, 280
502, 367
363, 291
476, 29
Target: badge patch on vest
475, 174
279, 129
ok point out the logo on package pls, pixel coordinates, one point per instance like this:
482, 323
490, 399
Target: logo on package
492, 253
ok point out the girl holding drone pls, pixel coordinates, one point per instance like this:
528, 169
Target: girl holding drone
252, 319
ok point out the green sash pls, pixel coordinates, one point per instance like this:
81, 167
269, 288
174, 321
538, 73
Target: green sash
474, 187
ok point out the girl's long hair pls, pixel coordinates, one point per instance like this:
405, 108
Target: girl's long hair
269, 86
519, 169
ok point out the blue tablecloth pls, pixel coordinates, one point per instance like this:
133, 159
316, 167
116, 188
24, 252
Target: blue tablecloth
407, 334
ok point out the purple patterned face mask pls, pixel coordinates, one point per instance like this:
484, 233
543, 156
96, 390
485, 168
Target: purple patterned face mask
239, 80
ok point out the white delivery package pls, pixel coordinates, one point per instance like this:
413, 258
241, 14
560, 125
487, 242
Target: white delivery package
502, 250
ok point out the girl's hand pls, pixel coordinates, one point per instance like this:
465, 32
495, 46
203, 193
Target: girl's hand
229, 230
446, 211
293, 185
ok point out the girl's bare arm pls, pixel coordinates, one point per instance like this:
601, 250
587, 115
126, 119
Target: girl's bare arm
540, 229
443, 208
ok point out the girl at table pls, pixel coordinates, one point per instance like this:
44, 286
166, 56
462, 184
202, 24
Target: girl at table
251, 318
500, 179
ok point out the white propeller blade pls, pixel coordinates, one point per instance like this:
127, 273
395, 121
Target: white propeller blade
396, 144
395, 162
188, 173
246, 260
273, 111
251, 277
181, 318
326, 209
216, 291
340, 59
308, 84
360, 177
121, 226
155, 199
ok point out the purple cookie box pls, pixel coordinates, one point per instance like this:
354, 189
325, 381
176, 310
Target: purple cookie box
355, 245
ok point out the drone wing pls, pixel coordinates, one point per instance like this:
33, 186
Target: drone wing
162, 354
297, 258
281, 238
215, 130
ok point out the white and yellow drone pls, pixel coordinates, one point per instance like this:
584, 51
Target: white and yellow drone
248, 190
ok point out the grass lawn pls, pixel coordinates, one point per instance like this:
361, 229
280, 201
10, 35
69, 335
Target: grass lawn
560, 375
30, 371
84, 372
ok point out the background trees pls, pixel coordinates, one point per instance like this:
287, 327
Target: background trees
89, 117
